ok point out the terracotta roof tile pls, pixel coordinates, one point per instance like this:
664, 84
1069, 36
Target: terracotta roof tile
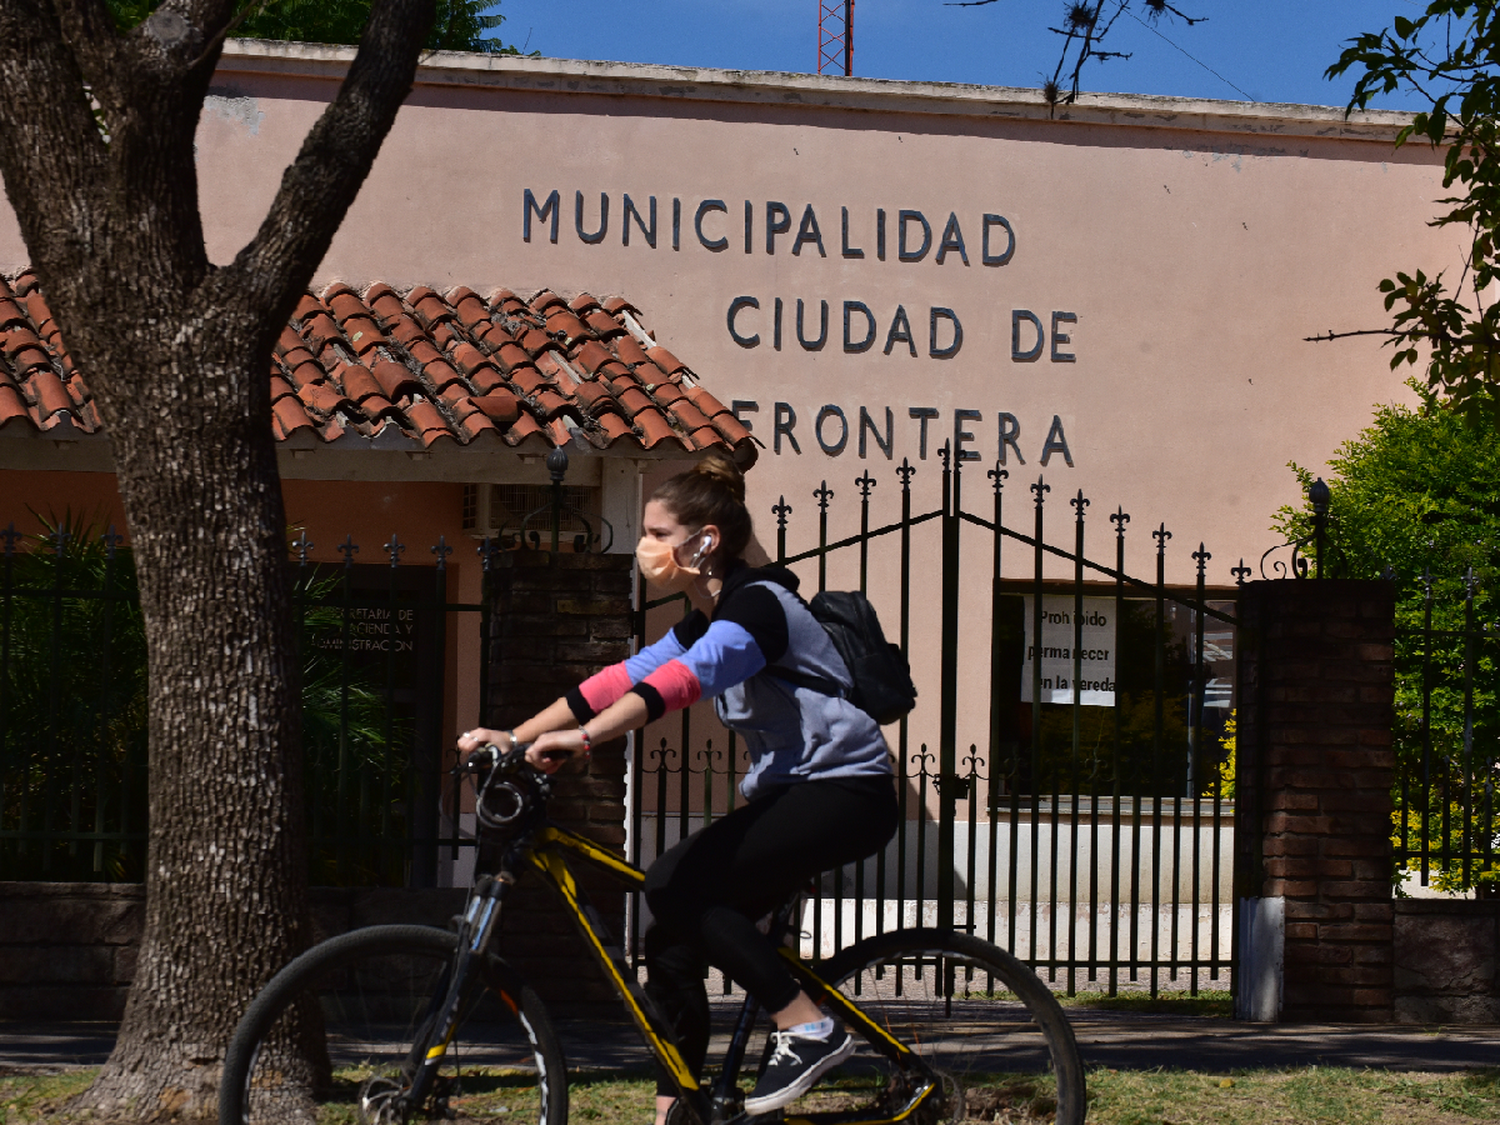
604, 324
729, 426
668, 395
665, 360
689, 415
634, 400
654, 429
551, 403
500, 406
536, 341
594, 397
12, 405
614, 427
522, 429
486, 379
476, 424
561, 321
455, 368
706, 402
526, 380
358, 383
629, 351
289, 413
512, 356
592, 356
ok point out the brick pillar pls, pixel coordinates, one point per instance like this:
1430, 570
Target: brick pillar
1315, 770
556, 620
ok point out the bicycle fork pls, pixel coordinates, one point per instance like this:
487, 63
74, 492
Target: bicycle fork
478, 924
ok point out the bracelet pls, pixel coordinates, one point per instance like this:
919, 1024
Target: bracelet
510, 734
588, 744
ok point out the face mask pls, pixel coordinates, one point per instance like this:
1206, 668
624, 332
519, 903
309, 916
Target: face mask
659, 565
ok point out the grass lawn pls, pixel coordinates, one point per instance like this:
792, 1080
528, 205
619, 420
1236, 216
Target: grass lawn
1302, 1096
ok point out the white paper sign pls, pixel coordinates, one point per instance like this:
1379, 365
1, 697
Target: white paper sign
1097, 682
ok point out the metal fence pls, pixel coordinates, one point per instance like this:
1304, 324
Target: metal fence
1071, 805
1447, 735
73, 710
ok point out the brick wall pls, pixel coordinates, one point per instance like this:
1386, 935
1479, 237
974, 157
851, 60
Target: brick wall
558, 619
1445, 961
1316, 766
67, 950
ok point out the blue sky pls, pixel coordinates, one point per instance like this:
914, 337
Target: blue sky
1261, 50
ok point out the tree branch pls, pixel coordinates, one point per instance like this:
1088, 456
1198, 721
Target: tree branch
1332, 335
273, 269
51, 152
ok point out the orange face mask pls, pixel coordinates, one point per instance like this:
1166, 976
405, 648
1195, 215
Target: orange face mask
659, 565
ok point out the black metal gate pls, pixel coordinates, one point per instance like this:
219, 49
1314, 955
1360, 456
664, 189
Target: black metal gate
73, 718
1067, 778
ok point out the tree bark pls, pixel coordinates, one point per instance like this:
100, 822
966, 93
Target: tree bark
96, 148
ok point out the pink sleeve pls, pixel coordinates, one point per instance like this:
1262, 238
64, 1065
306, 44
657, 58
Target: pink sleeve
675, 683
603, 688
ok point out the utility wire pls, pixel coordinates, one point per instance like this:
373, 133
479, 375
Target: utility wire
1195, 59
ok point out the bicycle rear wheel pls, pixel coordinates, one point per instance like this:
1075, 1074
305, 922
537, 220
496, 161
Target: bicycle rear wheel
971, 1012
336, 1035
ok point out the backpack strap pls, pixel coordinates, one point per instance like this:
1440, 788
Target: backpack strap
806, 680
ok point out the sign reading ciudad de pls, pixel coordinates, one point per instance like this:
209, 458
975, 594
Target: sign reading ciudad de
862, 324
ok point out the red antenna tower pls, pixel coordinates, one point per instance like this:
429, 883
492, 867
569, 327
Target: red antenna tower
835, 36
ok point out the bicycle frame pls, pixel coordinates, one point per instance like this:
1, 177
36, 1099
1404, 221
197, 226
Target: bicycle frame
545, 850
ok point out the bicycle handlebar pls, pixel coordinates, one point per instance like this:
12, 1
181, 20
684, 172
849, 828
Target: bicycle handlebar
506, 786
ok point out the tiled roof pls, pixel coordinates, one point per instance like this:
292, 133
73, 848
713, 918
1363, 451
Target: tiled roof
418, 368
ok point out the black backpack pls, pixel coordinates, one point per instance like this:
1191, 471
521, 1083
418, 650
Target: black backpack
883, 687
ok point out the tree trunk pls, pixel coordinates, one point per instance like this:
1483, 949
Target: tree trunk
96, 147
227, 857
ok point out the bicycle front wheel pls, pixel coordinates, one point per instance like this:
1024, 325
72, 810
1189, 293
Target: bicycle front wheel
981, 1022
337, 1035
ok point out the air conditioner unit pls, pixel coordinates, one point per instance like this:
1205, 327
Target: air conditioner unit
521, 514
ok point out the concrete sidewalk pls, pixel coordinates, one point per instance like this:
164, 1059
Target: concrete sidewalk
1122, 1041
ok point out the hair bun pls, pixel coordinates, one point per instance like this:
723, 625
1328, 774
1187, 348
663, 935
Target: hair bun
717, 466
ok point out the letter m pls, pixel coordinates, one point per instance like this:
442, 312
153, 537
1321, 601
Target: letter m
544, 212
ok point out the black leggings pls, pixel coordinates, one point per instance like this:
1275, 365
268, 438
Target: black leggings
707, 893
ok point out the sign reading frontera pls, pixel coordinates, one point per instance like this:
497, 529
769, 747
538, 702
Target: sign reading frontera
1095, 647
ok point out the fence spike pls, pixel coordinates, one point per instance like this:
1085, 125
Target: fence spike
395, 548
1040, 488
1079, 502
824, 494
442, 551
1119, 517
486, 552
905, 471
865, 482
782, 509
1161, 535
348, 548
1240, 572
111, 542
1202, 556
303, 544
998, 475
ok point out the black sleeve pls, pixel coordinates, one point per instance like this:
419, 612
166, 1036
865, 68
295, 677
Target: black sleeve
656, 706
755, 609
690, 628
579, 706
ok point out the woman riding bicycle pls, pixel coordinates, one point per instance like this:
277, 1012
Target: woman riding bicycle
819, 791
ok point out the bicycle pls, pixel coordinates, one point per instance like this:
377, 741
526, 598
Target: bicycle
365, 1027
